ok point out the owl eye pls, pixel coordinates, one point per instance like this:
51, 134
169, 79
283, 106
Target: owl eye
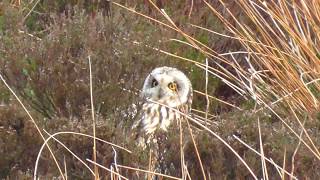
172, 86
154, 83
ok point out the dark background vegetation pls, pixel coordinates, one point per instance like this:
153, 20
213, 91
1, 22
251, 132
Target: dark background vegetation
44, 58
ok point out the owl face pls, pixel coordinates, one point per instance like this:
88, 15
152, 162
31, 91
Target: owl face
167, 86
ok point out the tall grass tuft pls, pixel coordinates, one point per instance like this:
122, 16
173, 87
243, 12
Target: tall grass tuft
281, 40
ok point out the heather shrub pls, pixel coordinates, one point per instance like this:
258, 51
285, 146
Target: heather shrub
44, 57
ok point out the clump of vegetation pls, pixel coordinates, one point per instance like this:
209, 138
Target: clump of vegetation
244, 96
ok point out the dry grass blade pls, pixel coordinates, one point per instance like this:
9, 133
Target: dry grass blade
150, 164
65, 167
197, 151
93, 122
206, 92
217, 99
263, 162
284, 163
182, 161
295, 152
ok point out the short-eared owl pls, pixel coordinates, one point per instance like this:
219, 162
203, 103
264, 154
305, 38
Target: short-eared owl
164, 91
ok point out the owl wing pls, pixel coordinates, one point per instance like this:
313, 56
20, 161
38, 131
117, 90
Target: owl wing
136, 123
138, 132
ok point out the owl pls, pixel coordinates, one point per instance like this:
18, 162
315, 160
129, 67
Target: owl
166, 97
165, 91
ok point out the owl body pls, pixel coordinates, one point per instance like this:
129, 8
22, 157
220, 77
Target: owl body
166, 91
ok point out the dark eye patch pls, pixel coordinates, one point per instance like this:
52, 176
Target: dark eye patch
154, 83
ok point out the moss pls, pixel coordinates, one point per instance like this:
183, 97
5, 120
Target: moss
248, 104
314, 91
203, 38
1, 23
4, 95
32, 23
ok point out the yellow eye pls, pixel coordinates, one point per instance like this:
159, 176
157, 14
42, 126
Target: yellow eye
172, 86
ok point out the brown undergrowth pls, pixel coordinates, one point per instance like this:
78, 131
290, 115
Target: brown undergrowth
44, 58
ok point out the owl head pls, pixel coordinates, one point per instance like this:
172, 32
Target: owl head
168, 86
164, 86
